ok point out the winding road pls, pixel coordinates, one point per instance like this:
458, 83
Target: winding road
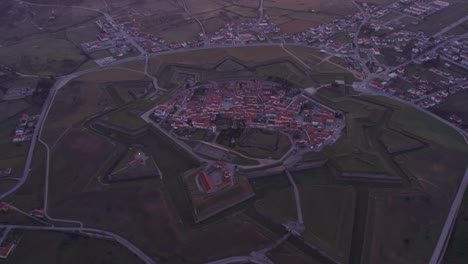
61, 81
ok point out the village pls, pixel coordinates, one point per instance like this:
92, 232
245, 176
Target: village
216, 106
25, 129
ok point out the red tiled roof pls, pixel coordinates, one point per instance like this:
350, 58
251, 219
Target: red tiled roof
135, 162
206, 182
5, 251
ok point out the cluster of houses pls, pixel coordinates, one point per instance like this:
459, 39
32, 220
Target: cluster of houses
9, 242
246, 31
242, 32
322, 33
214, 178
110, 39
424, 89
456, 51
5, 172
423, 8
256, 104
149, 42
25, 129
398, 41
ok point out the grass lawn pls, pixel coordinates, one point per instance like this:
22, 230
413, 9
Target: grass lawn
342, 37
389, 16
48, 54
328, 213
395, 142
213, 24
439, 20
128, 116
299, 5
83, 33
55, 248
12, 108
278, 205
366, 163
185, 32
90, 64
100, 54
31, 194
456, 252
283, 146
414, 121
314, 17
328, 217
14, 154
455, 104
288, 71
137, 65
243, 11
458, 30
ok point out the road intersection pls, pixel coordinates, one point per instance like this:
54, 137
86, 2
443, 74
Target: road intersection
364, 88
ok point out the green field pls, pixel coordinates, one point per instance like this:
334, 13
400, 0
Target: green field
389, 16
366, 163
243, 11
213, 24
458, 30
83, 33
456, 252
128, 116
286, 71
328, 213
12, 108
319, 18
20, 21
280, 205
48, 54
439, 20
122, 91
185, 32
455, 104
395, 142
416, 122
281, 147
13, 155
55, 248
31, 194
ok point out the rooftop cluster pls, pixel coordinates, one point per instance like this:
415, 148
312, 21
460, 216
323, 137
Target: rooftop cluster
251, 104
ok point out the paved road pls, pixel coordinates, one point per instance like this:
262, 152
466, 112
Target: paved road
255, 256
91, 231
6, 230
451, 26
444, 238
260, 11
238, 259
37, 133
59, 84
32, 146
63, 80
297, 196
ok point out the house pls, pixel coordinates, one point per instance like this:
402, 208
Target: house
103, 37
5, 172
4, 207
39, 213
456, 119
135, 162
24, 119
6, 250
17, 138
205, 181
